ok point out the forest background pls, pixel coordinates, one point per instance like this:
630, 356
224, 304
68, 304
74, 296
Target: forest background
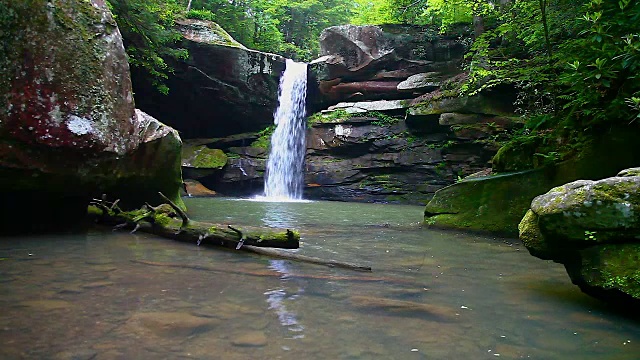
573, 63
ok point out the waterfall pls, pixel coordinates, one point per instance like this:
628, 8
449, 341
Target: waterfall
285, 166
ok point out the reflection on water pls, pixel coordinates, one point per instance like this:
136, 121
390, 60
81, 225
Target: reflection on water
431, 295
278, 298
278, 215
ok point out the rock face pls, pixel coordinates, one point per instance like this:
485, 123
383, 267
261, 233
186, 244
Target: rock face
382, 62
372, 159
221, 89
395, 129
69, 130
593, 228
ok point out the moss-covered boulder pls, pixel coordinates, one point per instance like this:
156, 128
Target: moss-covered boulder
593, 228
69, 130
497, 203
202, 157
199, 161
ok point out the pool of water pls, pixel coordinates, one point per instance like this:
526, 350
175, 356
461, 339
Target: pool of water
431, 295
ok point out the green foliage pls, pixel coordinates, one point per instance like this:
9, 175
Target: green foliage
590, 235
447, 13
600, 77
382, 119
333, 116
200, 15
291, 28
373, 12
264, 137
148, 35
575, 68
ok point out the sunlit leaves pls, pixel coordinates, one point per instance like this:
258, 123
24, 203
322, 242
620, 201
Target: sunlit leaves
148, 34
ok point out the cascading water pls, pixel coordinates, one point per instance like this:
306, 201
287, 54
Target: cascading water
285, 167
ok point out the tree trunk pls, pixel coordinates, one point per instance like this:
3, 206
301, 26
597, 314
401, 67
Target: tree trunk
478, 25
545, 25
189, 6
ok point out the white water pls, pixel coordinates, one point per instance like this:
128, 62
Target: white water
285, 166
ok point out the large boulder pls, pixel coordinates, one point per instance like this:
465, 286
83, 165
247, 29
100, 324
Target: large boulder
593, 228
69, 130
223, 88
368, 62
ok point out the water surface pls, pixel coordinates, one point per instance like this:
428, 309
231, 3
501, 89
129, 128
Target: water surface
432, 294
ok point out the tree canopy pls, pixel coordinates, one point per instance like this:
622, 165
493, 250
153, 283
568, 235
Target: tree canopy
575, 64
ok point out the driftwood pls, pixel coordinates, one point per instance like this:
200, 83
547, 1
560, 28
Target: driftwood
161, 221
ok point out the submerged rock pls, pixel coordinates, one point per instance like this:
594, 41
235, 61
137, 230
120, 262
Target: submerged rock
250, 339
70, 131
593, 228
170, 324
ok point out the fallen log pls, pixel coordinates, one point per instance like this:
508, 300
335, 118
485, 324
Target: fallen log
161, 220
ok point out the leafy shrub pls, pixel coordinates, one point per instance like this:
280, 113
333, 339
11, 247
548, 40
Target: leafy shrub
200, 15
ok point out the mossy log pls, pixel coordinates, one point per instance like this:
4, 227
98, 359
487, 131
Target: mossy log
161, 220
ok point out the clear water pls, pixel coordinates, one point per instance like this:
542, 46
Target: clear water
432, 294
285, 165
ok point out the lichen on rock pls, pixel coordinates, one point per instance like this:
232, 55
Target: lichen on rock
70, 131
592, 228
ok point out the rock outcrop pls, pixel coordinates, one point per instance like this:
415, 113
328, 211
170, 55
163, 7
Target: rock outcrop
382, 62
593, 228
497, 203
392, 126
378, 158
69, 130
222, 89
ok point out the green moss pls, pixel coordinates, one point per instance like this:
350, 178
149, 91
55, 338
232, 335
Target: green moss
339, 115
613, 267
203, 157
264, 138
383, 119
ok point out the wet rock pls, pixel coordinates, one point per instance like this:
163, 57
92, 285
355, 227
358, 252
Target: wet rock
195, 188
97, 285
363, 107
497, 203
250, 339
202, 157
46, 305
206, 32
369, 62
79, 354
422, 81
439, 313
199, 161
171, 324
